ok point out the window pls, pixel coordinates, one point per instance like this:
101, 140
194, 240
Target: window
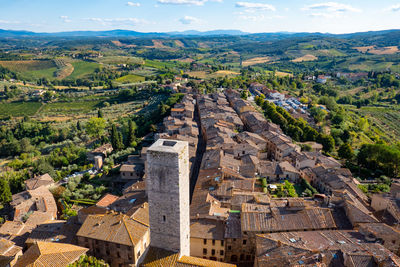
244, 241
204, 251
205, 241
118, 255
241, 257
108, 252
118, 245
213, 252
247, 257
221, 252
222, 242
213, 242
164, 218
229, 247
129, 256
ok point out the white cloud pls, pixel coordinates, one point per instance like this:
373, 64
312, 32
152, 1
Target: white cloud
189, 20
329, 9
65, 19
132, 4
187, 2
117, 21
393, 8
332, 7
251, 7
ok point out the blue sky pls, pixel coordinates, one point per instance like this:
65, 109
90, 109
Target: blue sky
179, 15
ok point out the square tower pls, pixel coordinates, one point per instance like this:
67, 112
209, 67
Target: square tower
167, 185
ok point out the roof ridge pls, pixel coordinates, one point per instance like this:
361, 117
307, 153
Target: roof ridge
136, 220
126, 228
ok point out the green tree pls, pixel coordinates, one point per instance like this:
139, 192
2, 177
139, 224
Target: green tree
95, 127
116, 138
5, 192
363, 124
244, 94
79, 126
327, 142
318, 114
346, 151
100, 114
131, 138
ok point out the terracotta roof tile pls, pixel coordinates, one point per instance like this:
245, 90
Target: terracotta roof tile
50, 255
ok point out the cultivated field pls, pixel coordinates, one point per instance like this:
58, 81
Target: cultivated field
130, 78
254, 61
65, 68
19, 109
119, 44
388, 50
114, 60
32, 69
387, 120
305, 58
70, 107
83, 68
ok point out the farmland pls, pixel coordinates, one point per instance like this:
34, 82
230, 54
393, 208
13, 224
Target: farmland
385, 119
83, 68
305, 58
130, 78
70, 107
19, 109
32, 69
254, 61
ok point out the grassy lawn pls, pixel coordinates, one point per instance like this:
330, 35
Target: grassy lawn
130, 78
83, 68
19, 109
70, 107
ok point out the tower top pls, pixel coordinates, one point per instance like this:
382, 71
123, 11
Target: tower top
168, 146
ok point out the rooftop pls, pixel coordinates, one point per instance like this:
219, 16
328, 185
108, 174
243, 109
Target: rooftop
106, 200
50, 254
114, 227
158, 257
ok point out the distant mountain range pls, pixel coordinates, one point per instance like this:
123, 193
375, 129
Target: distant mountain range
191, 33
119, 33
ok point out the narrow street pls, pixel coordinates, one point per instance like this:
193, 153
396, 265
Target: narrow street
201, 148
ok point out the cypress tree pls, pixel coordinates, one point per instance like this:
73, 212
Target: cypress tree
78, 126
100, 114
131, 138
116, 138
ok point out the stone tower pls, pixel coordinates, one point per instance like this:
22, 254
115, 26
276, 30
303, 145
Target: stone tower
167, 182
